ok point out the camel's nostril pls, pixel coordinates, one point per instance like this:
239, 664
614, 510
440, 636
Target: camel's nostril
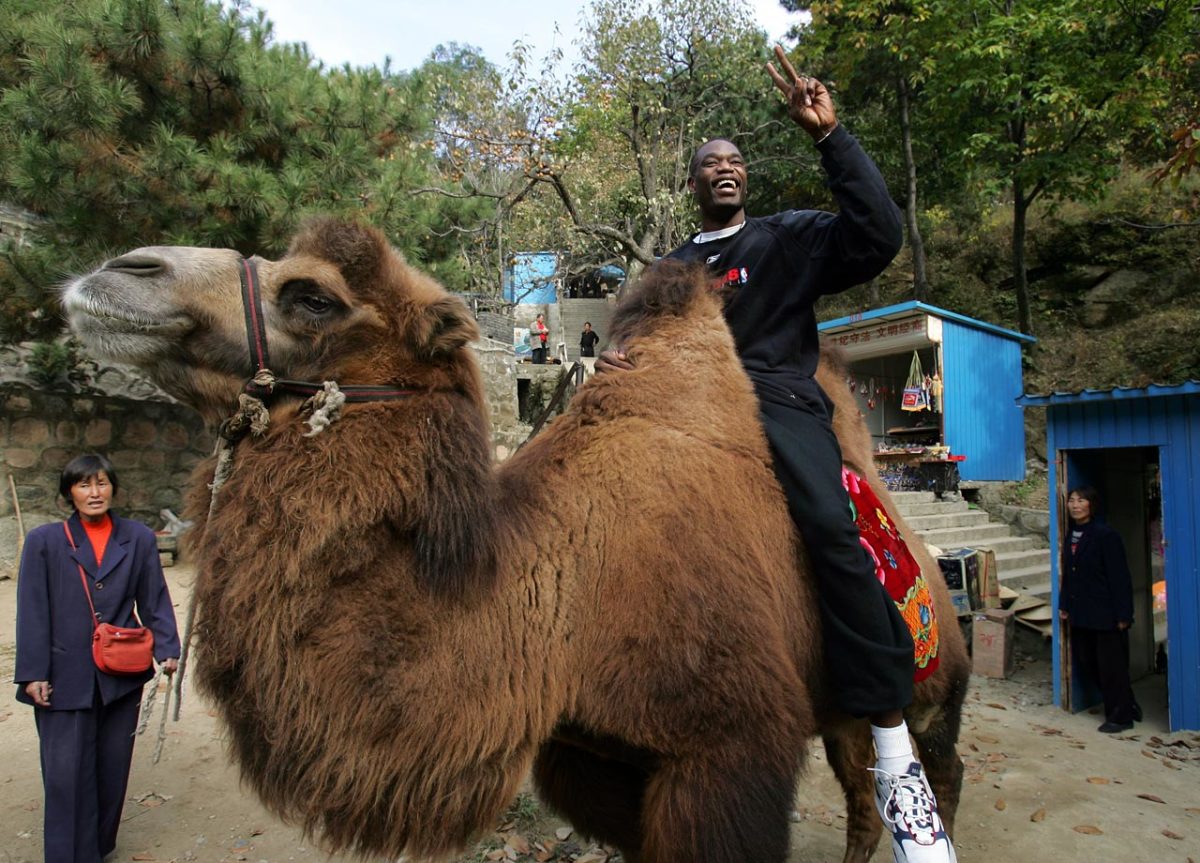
136, 265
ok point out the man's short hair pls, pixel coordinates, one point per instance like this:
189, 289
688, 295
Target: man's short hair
695, 163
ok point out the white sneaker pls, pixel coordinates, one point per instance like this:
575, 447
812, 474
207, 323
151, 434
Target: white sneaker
906, 804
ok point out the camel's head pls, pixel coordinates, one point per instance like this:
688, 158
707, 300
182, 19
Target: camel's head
340, 305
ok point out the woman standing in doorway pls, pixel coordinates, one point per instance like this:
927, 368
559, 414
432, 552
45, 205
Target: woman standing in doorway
85, 717
1097, 600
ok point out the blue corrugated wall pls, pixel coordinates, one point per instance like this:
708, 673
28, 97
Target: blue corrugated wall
982, 380
1171, 423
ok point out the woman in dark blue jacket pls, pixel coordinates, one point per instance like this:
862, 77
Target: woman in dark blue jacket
86, 718
1097, 600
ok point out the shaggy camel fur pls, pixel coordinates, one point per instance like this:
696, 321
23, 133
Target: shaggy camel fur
396, 631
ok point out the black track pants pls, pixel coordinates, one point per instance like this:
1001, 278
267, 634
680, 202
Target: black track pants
868, 648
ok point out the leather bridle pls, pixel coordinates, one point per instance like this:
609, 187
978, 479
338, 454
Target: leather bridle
262, 383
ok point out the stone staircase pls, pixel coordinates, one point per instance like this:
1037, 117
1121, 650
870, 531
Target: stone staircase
1022, 562
573, 313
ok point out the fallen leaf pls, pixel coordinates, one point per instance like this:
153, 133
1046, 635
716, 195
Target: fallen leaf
563, 833
1171, 764
1191, 810
1088, 829
143, 855
518, 843
983, 738
497, 854
1001, 805
1038, 817
1152, 798
1148, 753
592, 857
997, 706
1098, 780
257, 831
1171, 835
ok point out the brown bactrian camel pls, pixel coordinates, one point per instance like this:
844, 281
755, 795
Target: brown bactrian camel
396, 631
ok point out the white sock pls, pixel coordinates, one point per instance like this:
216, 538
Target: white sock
893, 749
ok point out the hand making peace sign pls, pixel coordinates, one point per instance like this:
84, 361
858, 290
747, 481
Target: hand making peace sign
808, 102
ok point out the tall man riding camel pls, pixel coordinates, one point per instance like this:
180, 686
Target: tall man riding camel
772, 270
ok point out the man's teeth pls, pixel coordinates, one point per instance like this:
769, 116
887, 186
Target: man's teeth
726, 184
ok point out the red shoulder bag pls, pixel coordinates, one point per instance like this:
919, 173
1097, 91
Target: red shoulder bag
121, 650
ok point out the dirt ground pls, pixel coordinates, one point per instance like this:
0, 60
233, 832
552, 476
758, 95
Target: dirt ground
1041, 786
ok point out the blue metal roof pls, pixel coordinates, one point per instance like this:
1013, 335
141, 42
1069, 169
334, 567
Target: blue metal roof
1069, 398
915, 306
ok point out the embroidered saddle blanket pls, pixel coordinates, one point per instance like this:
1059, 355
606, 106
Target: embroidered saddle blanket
896, 570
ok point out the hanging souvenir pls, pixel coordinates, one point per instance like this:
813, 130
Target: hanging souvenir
935, 393
915, 396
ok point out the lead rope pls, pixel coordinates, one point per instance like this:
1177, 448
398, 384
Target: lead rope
251, 416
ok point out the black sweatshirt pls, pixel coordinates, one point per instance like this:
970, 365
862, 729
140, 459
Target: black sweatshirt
776, 267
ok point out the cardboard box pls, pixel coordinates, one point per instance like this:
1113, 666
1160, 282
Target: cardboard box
992, 642
989, 579
960, 569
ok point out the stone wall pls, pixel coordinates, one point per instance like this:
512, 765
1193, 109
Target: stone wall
499, 368
152, 445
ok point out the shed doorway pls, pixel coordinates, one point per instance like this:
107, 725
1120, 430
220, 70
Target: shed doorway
1130, 487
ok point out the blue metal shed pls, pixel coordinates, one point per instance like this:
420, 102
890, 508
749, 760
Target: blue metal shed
1093, 436
980, 367
530, 278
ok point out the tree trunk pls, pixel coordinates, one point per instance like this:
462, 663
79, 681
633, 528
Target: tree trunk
1020, 277
920, 279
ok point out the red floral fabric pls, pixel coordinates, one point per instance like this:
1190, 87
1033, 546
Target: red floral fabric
896, 570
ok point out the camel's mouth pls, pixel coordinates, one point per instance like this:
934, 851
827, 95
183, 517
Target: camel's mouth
100, 316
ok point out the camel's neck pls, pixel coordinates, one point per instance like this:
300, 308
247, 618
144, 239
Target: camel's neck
365, 650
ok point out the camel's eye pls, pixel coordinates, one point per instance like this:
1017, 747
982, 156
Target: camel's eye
316, 303
306, 295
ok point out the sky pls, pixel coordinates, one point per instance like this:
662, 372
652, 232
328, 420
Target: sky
363, 32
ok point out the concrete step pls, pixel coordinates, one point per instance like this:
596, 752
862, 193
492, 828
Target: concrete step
967, 537
1013, 561
1026, 577
1003, 546
903, 498
949, 519
937, 507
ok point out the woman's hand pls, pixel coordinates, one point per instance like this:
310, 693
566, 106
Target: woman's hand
1122, 625
170, 666
39, 691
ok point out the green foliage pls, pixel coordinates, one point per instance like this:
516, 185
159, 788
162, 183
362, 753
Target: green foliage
126, 123
50, 363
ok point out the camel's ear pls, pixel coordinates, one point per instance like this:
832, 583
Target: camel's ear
444, 326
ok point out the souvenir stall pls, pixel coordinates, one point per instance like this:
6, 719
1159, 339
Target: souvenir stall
938, 391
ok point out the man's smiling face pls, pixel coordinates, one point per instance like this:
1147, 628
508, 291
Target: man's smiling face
719, 180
